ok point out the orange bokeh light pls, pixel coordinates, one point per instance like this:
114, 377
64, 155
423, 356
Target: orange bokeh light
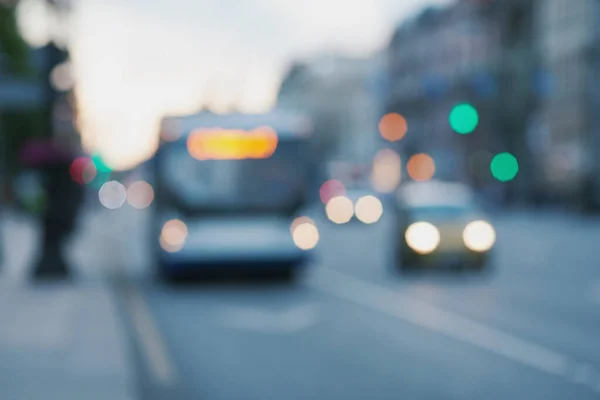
140, 195
220, 144
386, 172
393, 127
421, 167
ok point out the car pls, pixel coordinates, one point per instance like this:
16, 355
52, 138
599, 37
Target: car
231, 191
439, 224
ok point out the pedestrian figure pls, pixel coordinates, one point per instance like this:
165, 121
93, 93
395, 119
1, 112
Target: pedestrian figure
64, 197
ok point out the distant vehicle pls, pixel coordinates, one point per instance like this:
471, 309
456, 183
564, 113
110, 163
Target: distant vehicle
230, 193
347, 195
440, 224
354, 204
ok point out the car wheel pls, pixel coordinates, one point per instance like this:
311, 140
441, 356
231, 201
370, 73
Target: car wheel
403, 262
163, 272
480, 264
408, 266
287, 274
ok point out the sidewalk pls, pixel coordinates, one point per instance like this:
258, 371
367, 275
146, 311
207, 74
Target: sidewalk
60, 341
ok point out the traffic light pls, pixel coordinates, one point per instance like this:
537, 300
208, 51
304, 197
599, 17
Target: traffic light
464, 118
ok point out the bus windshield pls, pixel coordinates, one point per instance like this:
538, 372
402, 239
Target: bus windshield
276, 182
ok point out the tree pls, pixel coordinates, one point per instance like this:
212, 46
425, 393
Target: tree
14, 61
12, 45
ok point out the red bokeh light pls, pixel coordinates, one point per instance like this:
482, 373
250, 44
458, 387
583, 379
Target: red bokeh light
331, 189
81, 170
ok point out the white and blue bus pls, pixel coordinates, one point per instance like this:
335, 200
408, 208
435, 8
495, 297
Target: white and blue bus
231, 192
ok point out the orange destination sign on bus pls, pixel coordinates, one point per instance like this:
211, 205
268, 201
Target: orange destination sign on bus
232, 144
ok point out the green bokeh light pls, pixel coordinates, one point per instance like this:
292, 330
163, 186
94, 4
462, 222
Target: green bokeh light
100, 179
464, 119
100, 164
504, 167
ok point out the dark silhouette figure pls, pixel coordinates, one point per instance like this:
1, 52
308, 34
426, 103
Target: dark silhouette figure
64, 197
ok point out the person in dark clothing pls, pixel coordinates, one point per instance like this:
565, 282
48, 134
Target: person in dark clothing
64, 197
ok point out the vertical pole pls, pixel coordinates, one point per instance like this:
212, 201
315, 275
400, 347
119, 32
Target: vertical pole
3, 170
63, 197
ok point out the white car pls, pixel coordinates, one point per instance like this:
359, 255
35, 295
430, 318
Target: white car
439, 223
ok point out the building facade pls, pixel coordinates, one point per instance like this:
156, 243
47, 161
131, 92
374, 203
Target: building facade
482, 53
438, 59
568, 126
342, 96
593, 96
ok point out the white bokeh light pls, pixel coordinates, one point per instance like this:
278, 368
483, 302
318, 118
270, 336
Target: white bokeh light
368, 209
61, 77
32, 17
422, 237
112, 195
339, 210
479, 236
306, 236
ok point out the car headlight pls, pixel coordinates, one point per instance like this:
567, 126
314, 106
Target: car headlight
304, 233
422, 237
339, 209
368, 209
479, 236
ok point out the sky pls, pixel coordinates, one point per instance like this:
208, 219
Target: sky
137, 60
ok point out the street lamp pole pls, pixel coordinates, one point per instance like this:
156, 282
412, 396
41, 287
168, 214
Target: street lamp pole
63, 194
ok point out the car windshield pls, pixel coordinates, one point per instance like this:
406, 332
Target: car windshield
441, 212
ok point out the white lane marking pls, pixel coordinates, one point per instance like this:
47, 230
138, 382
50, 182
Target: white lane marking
152, 345
449, 324
252, 319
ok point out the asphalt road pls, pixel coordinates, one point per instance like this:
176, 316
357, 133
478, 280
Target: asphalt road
352, 328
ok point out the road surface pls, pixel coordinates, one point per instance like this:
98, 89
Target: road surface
353, 328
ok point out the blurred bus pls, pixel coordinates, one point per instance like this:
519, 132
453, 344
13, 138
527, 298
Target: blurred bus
230, 193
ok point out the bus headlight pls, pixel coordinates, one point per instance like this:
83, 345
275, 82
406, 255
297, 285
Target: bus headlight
479, 236
173, 235
304, 233
368, 209
422, 237
339, 209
